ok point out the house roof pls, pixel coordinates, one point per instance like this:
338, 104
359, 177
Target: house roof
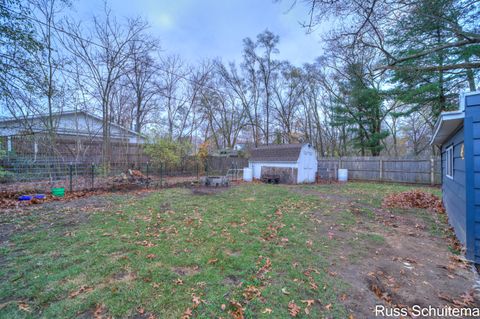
448, 122
66, 113
446, 125
276, 153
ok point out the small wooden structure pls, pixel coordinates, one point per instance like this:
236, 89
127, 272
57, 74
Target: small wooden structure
284, 163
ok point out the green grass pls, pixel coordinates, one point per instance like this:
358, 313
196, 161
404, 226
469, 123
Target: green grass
131, 256
135, 254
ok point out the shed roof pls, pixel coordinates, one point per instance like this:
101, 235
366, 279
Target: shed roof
276, 153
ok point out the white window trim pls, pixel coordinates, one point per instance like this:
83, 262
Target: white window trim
449, 166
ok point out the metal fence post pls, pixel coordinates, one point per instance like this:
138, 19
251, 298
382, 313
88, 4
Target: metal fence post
70, 174
432, 171
198, 176
147, 173
93, 174
161, 174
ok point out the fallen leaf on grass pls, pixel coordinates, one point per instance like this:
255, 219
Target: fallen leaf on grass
99, 311
267, 310
265, 268
285, 291
309, 243
24, 306
330, 235
223, 307
81, 290
250, 292
151, 256
212, 261
196, 301
328, 307
178, 281
187, 314
141, 310
237, 313
309, 303
293, 309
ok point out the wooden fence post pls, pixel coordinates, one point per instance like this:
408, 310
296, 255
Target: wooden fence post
432, 171
381, 169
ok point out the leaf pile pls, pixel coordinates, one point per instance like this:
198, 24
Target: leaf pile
414, 199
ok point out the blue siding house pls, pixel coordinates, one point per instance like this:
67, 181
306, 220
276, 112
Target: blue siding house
458, 135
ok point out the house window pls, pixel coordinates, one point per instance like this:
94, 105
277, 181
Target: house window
449, 162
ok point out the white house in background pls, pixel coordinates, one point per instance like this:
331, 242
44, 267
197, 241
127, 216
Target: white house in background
78, 134
294, 163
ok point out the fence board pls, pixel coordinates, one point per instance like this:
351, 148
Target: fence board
403, 170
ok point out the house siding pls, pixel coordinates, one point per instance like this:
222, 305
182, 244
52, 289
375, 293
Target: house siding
453, 190
472, 156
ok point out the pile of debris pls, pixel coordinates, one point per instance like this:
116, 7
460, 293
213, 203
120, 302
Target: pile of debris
414, 199
132, 176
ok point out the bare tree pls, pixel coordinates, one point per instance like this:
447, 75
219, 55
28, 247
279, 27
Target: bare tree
266, 67
179, 87
222, 109
142, 77
288, 89
104, 53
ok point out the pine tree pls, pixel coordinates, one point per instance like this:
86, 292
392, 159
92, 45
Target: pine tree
361, 111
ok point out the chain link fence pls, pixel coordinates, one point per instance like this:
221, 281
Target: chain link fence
43, 174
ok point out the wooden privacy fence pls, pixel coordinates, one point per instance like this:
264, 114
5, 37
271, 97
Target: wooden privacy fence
388, 169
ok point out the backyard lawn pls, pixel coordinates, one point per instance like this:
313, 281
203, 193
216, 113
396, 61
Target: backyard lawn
249, 251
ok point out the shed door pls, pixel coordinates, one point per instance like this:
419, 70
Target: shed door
308, 163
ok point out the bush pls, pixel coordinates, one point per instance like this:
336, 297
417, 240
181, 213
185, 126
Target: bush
166, 150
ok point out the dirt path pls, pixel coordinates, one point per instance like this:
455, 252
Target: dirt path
391, 257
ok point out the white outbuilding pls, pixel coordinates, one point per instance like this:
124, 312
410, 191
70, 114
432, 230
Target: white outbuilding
284, 163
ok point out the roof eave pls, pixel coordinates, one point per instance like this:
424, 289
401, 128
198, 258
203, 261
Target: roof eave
446, 125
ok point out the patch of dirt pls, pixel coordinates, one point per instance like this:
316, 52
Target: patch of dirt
99, 311
186, 271
123, 276
233, 253
66, 213
391, 257
231, 280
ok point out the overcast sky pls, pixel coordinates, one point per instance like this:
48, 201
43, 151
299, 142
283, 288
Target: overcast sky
198, 29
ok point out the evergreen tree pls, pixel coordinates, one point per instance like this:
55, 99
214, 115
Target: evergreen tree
361, 111
429, 25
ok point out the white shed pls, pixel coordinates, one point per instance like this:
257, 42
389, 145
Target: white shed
293, 163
